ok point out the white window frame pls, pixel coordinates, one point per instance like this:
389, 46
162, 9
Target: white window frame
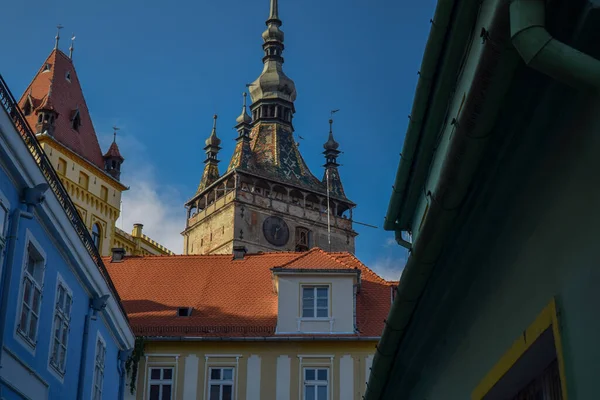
316, 382
161, 381
99, 364
222, 382
315, 308
22, 336
64, 316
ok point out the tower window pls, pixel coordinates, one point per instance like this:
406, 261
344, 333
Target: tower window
302, 239
96, 235
76, 120
62, 166
27, 108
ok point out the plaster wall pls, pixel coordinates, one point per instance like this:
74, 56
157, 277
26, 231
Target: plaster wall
341, 311
542, 243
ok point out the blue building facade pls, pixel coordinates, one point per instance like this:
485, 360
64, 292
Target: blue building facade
63, 331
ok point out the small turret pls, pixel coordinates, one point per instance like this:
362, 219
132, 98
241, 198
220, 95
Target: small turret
46, 115
211, 169
332, 176
113, 158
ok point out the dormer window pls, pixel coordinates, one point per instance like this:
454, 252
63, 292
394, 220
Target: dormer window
68, 76
27, 108
184, 311
46, 67
315, 301
76, 120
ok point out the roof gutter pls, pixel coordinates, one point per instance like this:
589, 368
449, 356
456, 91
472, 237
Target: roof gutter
469, 137
540, 51
420, 108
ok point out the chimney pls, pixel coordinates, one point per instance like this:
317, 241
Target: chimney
118, 254
239, 252
137, 230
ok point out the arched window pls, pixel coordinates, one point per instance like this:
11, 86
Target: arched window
96, 235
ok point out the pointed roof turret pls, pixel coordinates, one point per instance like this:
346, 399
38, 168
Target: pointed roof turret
211, 169
332, 176
113, 158
113, 150
244, 117
57, 86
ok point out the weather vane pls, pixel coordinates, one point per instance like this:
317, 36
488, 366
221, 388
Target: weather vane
115, 133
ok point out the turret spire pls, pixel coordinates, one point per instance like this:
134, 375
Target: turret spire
211, 169
332, 176
113, 158
57, 37
72, 46
274, 11
244, 117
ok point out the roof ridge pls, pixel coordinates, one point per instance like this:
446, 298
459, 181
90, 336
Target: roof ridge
369, 270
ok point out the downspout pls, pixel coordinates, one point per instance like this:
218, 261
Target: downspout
542, 52
97, 304
32, 197
355, 289
121, 359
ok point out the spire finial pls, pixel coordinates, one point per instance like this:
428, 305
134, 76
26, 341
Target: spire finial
57, 37
215, 123
331, 145
244, 102
115, 129
72, 46
274, 11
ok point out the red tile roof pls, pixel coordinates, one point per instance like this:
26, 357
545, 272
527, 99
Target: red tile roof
230, 298
65, 97
113, 151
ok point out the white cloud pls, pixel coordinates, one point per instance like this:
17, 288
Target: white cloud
158, 206
389, 268
389, 242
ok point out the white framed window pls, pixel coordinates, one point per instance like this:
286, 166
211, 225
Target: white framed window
61, 327
316, 384
315, 301
99, 368
32, 284
160, 384
220, 383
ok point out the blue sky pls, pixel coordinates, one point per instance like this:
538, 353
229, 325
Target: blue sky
160, 70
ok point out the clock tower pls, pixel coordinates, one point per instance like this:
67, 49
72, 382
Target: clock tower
268, 199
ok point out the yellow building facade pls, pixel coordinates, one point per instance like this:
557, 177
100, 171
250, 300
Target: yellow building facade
259, 370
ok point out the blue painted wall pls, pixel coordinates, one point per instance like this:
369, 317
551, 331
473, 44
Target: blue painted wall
57, 262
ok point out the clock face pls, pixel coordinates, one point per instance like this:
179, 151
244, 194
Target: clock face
276, 231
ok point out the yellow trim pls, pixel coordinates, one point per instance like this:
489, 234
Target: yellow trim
546, 319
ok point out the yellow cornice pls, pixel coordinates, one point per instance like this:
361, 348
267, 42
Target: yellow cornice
77, 158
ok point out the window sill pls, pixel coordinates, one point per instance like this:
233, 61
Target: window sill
315, 319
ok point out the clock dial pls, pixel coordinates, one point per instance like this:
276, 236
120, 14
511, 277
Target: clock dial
276, 231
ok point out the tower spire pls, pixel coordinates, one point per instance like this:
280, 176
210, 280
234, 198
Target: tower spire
57, 37
72, 46
274, 11
273, 86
